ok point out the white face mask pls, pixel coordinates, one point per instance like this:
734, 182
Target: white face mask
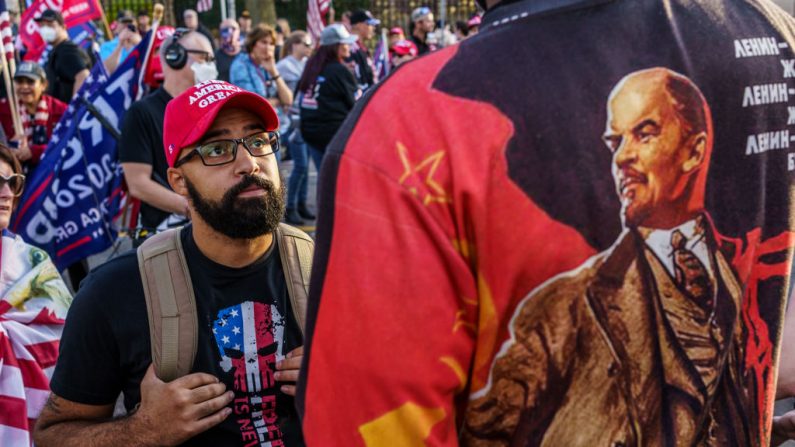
47, 33
204, 71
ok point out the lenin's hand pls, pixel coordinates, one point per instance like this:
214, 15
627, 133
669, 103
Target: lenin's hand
783, 428
287, 370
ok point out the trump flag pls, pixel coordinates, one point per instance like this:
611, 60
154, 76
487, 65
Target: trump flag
72, 197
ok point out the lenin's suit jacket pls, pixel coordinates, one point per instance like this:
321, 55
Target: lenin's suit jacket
595, 362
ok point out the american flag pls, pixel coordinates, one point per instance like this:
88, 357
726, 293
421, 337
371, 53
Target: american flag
204, 5
5, 32
32, 310
315, 13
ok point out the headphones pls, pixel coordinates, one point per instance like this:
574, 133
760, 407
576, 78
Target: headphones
176, 55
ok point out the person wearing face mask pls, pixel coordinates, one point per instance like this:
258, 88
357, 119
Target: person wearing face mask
39, 113
187, 59
230, 48
256, 69
67, 66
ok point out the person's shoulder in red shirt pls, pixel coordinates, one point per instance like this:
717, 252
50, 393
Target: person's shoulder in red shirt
5, 118
56, 109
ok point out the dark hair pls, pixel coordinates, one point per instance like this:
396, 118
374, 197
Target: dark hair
324, 56
260, 31
7, 155
462, 27
143, 12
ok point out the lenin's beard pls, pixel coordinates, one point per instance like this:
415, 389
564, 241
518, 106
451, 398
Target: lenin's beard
242, 218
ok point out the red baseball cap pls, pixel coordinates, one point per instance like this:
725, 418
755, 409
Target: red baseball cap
404, 48
190, 115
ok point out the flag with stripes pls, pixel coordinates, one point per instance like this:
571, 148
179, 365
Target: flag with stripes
315, 21
204, 5
5, 31
32, 311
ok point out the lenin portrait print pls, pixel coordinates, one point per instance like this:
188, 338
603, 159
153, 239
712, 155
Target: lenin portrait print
644, 342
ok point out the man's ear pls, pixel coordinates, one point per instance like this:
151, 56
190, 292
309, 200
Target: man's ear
697, 152
177, 181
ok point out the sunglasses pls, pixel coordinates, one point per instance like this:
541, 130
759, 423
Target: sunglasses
221, 152
16, 182
307, 43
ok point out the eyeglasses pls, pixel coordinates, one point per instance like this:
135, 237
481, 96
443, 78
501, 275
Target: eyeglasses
208, 57
14, 181
307, 43
221, 152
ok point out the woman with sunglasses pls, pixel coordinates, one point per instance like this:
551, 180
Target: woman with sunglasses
32, 311
297, 49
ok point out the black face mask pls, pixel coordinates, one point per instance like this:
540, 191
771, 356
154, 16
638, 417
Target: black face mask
242, 218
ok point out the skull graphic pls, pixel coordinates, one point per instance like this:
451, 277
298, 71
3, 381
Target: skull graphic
250, 337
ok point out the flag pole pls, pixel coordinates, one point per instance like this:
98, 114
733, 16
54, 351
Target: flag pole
12, 102
105, 24
157, 16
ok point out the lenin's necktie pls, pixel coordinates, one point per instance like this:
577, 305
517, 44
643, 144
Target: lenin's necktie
690, 273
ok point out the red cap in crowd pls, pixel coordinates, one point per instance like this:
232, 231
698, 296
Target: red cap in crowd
404, 48
396, 31
191, 114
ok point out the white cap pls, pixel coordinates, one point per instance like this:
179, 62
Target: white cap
336, 33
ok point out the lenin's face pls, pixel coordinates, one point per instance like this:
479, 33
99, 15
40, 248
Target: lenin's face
648, 142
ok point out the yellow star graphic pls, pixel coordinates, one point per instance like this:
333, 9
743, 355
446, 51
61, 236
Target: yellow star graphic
406, 426
434, 193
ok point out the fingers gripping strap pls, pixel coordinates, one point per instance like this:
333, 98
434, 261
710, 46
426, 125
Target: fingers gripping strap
170, 303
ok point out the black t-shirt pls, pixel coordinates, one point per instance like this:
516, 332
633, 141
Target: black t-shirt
63, 64
422, 46
142, 142
246, 325
364, 69
325, 107
222, 62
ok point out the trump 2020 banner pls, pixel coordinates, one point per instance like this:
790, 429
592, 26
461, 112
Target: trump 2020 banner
73, 195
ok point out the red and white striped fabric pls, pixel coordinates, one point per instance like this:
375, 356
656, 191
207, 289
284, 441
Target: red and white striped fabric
32, 312
204, 5
5, 32
315, 17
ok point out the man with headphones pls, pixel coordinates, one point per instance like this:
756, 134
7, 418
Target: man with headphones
187, 59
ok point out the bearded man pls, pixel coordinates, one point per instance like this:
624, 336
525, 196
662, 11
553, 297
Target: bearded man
220, 147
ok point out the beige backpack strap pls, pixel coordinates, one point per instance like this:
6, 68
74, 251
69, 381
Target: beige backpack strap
296, 249
170, 304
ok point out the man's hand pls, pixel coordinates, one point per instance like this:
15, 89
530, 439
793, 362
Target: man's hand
287, 370
783, 428
128, 38
171, 413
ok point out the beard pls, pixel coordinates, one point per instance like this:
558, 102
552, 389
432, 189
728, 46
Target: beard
245, 218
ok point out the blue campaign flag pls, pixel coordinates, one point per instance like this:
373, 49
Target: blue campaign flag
83, 34
74, 194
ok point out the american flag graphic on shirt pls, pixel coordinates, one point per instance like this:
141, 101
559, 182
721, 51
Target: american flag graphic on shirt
250, 338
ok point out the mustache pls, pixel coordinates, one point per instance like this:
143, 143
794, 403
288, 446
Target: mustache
247, 181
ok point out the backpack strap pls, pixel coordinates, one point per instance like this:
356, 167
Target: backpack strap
296, 249
170, 304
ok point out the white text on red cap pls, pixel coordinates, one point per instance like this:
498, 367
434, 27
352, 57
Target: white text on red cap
212, 91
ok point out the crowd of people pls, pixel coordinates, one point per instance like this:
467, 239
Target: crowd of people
602, 267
